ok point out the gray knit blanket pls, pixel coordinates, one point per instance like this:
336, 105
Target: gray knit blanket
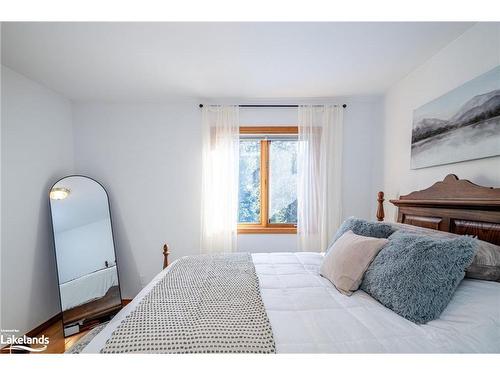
204, 304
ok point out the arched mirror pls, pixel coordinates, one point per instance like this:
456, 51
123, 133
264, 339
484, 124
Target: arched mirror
87, 272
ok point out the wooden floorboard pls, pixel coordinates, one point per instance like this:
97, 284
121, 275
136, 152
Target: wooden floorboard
53, 329
58, 343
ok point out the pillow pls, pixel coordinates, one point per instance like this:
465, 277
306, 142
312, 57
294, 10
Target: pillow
363, 228
416, 276
347, 260
486, 262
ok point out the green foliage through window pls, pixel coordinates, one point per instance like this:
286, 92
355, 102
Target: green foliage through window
283, 181
249, 184
282, 194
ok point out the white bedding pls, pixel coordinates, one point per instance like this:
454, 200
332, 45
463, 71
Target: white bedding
87, 288
308, 314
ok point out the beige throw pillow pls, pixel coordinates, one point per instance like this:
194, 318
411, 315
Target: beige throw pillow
348, 259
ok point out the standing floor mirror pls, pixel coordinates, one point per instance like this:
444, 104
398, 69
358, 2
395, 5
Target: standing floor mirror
87, 272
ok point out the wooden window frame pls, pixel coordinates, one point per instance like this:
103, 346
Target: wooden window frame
264, 227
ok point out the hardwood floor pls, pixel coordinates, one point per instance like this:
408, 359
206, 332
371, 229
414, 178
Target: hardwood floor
53, 329
59, 344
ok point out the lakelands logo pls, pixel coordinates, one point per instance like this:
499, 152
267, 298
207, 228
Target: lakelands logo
14, 342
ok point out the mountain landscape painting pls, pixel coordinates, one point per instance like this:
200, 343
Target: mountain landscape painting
463, 124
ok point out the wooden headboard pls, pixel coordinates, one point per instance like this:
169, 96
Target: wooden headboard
452, 205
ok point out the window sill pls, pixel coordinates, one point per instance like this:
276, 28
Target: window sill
267, 230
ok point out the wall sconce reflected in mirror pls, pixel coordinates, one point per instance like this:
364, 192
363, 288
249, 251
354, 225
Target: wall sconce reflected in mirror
59, 193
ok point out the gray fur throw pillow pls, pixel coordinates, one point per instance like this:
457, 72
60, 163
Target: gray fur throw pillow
416, 276
363, 228
485, 264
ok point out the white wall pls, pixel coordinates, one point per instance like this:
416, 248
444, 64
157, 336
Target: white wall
1, 183
473, 53
148, 156
84, 249
37, 149
362, 156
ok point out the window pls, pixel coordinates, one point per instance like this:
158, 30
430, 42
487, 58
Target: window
250, 182
268, 180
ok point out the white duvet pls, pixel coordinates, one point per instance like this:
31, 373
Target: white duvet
88, 287
309, 315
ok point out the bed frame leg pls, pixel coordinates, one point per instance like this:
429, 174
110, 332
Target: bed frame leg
166, 253
380, 208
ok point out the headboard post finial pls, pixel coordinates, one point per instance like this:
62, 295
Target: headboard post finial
166, 253
380, 207
451, 178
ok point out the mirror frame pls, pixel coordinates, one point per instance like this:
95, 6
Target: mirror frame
118, 307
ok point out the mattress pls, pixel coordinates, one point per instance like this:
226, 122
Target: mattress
308, 315
87, 288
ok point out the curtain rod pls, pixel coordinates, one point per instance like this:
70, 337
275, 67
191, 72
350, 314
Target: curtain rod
270, 105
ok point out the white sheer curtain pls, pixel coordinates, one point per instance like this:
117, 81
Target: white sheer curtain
319, 169
219, 179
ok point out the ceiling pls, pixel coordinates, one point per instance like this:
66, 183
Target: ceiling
155, 61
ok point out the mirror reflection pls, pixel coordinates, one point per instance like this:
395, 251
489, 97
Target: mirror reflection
85, 253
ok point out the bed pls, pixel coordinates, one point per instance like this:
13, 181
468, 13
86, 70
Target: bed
308, 315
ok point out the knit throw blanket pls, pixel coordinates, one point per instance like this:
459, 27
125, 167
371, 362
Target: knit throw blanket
203, 304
